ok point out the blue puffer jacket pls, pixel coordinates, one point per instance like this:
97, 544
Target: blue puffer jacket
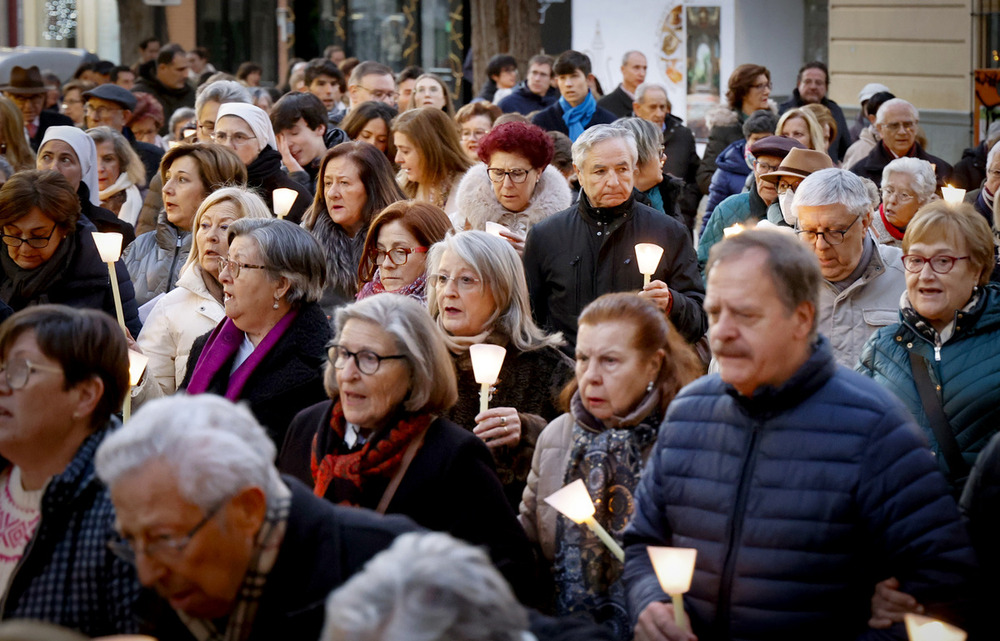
967, 368
798, 501
729, 178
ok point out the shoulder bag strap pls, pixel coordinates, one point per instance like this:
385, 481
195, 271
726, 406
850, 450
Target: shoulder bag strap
935, 414
397, 478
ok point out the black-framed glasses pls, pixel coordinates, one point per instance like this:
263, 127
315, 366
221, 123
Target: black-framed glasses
831, 236
940, 264
381, 94
37, 242
397, 255
16, 371
163, 548
367, 361
517, 176
239, 138
100, 112
234, 267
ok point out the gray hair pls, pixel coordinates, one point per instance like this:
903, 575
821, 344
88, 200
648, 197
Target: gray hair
426, 587
598, 134
215, 448
629, 53
129, 162
762, 121
184, 113
433, 386
895, 102
288, 251
500, 269
832, 187
648, 137
245, 201
641, 90
222, 92
921, 171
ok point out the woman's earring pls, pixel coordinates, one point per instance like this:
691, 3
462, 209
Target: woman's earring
649, 388
276, 298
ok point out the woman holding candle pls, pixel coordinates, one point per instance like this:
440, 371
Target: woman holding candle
430, 157
477, 293
629, 365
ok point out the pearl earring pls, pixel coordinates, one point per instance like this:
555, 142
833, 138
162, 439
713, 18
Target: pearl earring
276, 298
649, 388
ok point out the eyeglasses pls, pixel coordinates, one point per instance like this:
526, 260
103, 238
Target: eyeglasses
784, 188
463, 283
397, 255
100, 112
901, 196
37, 242
367, 361
765, 167
909, 125
474, 134
831, 236
517, 176
762, 85
234, 267
940, 264
379, 94
239, 138
17, 370
164, 548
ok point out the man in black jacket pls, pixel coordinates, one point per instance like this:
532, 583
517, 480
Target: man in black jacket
536, 92
170, 84
619, 102
811, 87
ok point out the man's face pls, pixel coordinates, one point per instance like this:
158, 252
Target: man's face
835, 261
151, 51
374, 87
105, 113
652, 107
29, 104
812, 85
126, 80
326, 89
608, 173
762, 167
634, 71
573, 87
196, 62
750, 329
539, 78
898, 128
175, 74
305, 144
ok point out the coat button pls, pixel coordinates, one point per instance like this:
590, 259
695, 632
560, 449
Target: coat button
909, 346
600, 233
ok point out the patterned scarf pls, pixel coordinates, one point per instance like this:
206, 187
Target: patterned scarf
347, 472
417, 289
576, 118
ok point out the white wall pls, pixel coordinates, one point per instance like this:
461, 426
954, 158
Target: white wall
769, 33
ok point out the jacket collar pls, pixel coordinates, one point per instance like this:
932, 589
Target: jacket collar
606, 215
806, 381
75, 480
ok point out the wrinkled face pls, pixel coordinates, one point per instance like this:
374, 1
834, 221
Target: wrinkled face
749, 327
73, 105
29, 104
652, 107
758, 95
305, 144
513, 196
899, 198
428, 93
898, 128
573, 87
368, 400
465, 303
797, 129
58, 155
409, 158
471, 132
250, 296
406, 93
392, 236
375, 132
381, 88
238, 136
108, 165
608, 173
993, 175
611, 372
344, 193
763, 166
206, 120
34, 224
539, 78
634, 70
212, 233
836, 262
812, 85
175, 74
935, 296
326, 89
105, 113
183, 191
145, 130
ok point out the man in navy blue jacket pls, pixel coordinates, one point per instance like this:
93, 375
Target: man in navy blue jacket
799, 482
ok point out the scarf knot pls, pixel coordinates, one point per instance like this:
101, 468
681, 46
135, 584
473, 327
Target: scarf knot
576, 118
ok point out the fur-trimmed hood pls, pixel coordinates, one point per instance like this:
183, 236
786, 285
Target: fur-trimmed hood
477, 203
723, 115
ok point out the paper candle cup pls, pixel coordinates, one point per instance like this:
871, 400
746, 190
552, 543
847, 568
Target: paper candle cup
573, 501
648, 256
283, 198
921, 628
109, 245
674, 567
495, 229
486, 362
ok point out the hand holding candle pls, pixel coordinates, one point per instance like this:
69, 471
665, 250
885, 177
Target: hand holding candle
573, 501
921, 628
674, 568
486, 363
136, 366
648, 256
283, 198
109, 246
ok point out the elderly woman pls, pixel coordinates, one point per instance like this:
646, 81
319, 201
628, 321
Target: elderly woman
656, 188
370, 122
269, 349
356, 183
630, 363
147, 120
49, 255
514, 186
802, 125
430, 91
195, 306
477, 294
13, 145
907, 185
382, 443
943, 358
247, 130
120, 173
64, 375
395, 250
430, 157
190, 172
474, 121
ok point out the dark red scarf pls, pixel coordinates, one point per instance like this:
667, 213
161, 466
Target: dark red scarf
894, 231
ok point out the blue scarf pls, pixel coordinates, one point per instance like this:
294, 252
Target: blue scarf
576, 118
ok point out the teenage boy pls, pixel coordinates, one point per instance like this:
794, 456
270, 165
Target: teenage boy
303, 135
326, 81
576, 110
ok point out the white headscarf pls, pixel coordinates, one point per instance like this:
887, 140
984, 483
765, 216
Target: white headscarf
254, 116
86, 155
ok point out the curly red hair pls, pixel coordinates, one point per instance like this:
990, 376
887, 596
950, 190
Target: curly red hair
529, 141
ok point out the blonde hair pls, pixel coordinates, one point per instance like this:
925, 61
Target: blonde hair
129, 162
939, 220
19, 153
815, 130
435, 138
247, 203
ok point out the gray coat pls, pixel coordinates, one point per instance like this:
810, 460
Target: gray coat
155, 259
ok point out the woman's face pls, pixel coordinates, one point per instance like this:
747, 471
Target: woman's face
612, 374
344, 193
935, 296
756, 97
59, 155
409, 158
899, 199
513, 196
108, 167
239, 137
369, 399
465, 303
145, 130
394, 277
249, 298
375, 132
37, 225
797, 129
428, 93
183, 192
213, 232
471, 132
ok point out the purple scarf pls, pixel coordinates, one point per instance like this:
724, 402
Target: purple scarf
222, 345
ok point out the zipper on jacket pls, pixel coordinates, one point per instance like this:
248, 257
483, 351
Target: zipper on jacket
173, 263
575, 264
937, 353
20, 563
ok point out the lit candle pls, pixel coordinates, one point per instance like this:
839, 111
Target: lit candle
486, 363
921, 628
573, 501
648, 256
136, 366
495, 228
732, 230
674, 568
953, 195
109, 246
283, 198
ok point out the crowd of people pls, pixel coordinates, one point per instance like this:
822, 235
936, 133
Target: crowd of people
804, 387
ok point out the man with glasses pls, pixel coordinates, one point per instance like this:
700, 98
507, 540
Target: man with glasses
535, 92
862, 279
811, 88
27, 89
371, 80
109, 105
897, 124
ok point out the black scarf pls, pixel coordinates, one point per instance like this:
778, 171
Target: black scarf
25, 286
267, 163
343, 253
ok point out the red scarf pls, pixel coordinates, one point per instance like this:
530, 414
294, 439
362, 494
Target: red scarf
380, 456
894, 231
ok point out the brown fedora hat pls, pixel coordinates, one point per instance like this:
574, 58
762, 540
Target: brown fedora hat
25, 81
800, 163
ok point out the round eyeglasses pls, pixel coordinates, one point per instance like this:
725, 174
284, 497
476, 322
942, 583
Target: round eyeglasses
234, 267
16, 371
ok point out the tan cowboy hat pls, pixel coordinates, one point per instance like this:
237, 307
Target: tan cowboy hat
799, 163
25, 81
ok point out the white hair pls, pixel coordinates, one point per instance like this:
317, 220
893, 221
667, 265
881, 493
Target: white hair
598, 134
921, 171
648, 137
629, 53
426, 587
214, 447
895, 102
832, 187
220, 91
641, 90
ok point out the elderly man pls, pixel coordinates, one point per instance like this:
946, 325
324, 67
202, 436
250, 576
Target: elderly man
619, 102
800, 483
896, 123
26, 89
372, 81
169, 85
109, 105
577, 254
862, 279
536, 92
233, 550
868, 138
811, 87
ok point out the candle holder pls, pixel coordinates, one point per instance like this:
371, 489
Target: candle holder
674, 568
922, 628
136, 366
648, 256
953, 195
495, 228
573, 501
283, 198
109, 246
486, 363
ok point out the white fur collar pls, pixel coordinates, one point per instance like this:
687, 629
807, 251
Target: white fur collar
477, 203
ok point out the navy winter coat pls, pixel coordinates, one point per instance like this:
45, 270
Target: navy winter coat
729, 179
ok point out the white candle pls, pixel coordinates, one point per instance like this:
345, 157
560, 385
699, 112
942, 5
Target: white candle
674, 568
109, 246
283, 198
647, 255
573, 501
136, 366
953, 195
922, 628
495, 228
486, 363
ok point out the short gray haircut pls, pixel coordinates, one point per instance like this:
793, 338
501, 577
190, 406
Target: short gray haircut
184, 113
895, 102
433, 386
648, 138
498, 266
921, 171
288, 251
832, 187
629, 53
222, 92
641, 90
214, 447
598, 134
426, 587
994, 150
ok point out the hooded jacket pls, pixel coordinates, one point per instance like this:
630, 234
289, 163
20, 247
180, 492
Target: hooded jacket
478, 203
